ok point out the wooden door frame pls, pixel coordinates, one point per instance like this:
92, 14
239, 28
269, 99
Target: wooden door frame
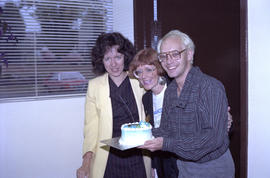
243, 89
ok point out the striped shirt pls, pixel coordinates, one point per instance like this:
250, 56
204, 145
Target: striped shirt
194, 125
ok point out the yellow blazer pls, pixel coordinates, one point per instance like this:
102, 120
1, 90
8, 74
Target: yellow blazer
98, 123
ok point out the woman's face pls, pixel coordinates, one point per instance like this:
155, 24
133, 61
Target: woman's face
147, 75
114, 62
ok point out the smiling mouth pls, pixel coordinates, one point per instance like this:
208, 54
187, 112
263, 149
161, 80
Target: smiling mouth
147, 82
171, 68
114, 70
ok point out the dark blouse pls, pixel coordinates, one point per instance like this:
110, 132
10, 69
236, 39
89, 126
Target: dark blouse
128, 163
164, 162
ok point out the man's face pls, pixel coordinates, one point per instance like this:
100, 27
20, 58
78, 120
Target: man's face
178, 61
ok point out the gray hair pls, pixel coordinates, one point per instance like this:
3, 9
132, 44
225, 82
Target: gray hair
182, 36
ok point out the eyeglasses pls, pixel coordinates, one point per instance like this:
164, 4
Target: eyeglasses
147, 71
175, 54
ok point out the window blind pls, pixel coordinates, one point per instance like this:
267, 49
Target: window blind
45, 46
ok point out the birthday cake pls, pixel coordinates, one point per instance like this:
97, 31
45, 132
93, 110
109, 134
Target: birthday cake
135, 133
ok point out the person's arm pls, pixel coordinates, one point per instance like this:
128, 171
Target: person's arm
90, 132
84, 170
157, 143
91, 122
212, 112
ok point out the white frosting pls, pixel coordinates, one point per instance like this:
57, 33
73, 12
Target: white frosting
132, 135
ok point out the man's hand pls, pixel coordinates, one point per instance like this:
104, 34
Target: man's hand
153, 145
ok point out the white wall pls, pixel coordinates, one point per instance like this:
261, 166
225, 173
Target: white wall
259, 88
43, 139
123, 18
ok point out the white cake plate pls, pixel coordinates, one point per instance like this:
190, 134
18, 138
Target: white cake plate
114, 142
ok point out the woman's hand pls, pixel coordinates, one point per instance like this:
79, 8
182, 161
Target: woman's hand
84, 170
153, 173
230, 120
153, 145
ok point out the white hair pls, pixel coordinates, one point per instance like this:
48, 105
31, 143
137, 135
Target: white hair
182, 36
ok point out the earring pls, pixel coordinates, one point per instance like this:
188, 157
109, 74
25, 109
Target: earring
161, 80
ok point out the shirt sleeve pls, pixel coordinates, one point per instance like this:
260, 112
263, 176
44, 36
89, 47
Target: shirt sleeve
211, 111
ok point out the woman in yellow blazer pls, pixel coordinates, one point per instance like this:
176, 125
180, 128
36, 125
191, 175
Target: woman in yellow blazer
112, 99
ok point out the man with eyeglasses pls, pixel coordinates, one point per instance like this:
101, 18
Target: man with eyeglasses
194, 117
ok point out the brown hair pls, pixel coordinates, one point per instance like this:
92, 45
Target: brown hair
146, 56
106, 41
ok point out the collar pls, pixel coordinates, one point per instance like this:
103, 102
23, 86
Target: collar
182, 100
